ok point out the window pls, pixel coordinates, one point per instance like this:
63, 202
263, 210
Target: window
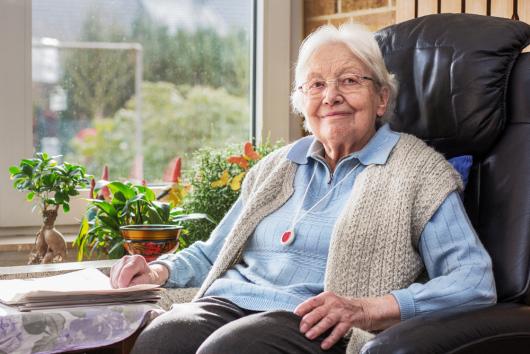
132, 84
278, 33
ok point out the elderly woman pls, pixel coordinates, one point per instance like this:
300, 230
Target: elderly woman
331, 234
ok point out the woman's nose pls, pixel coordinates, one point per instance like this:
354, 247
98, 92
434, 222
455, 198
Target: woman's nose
332, 95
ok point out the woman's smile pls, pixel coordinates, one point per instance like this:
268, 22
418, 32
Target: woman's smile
337, 114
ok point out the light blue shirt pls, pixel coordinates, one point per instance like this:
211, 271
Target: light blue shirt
272, 276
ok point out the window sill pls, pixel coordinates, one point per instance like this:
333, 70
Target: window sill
16, 245
23, 237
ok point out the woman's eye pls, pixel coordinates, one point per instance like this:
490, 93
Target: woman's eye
350, 81
317, 85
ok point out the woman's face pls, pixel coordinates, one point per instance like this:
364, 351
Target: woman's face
335, 117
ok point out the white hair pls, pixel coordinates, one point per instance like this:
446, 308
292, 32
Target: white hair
362, 44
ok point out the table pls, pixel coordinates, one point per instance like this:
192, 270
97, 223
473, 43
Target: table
15, 338
73, 329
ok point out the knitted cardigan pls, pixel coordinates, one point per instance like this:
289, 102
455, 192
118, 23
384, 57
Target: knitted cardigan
373, 247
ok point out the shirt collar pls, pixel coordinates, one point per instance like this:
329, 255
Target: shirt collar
375, 152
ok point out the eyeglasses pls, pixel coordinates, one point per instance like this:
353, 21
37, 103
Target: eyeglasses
346, 83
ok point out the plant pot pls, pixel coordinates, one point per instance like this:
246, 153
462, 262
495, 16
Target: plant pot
150, 241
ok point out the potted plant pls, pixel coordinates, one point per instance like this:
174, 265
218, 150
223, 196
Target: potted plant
216, 183
130, 219
51, 185
198, 207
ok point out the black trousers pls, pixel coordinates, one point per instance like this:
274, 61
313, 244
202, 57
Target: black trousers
214, 325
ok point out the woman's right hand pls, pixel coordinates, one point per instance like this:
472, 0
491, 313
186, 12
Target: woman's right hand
134, 270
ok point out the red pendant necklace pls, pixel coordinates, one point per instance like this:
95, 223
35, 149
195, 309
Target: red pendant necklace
288, 236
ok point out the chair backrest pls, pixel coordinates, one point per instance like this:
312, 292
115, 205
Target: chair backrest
465, 89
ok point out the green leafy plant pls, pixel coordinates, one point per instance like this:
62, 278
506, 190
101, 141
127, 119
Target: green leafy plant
183, 118
128, 204
48, 183
216, 182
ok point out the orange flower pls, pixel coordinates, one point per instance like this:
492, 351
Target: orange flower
249, 154
238, 160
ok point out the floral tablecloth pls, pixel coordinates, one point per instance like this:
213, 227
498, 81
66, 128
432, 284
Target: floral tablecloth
55, 331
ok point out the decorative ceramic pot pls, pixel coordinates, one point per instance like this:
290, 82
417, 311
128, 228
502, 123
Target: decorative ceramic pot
150, 241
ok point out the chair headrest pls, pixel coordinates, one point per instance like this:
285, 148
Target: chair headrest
453, 72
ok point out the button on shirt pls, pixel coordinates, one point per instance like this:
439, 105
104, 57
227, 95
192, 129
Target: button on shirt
272, 276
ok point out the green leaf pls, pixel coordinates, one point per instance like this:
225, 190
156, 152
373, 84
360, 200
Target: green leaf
50, 201
94, 230
59, 197
104, 206
110, 221
164, 210
177, 210
83, 229
117, 247
19, 176
27, 170
66, 207
13, 170
94, 248
127, 191
30, 196
152, 215
29, 162
136, 198
49, 180
148, 192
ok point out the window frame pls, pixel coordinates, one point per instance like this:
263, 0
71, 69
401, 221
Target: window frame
277, 33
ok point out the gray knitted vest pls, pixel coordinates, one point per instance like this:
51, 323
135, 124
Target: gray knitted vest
373, 248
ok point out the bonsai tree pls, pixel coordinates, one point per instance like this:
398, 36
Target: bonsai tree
50, 185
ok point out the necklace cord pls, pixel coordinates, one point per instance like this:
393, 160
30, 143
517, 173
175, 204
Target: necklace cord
297, 219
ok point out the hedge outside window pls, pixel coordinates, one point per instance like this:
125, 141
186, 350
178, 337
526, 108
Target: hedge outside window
194, 91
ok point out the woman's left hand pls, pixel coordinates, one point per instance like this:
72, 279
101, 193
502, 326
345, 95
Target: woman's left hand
331, 311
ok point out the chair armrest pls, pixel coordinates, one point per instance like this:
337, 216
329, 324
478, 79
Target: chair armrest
502, 328
171, 296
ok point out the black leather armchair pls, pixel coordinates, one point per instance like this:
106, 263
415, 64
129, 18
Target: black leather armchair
465, 89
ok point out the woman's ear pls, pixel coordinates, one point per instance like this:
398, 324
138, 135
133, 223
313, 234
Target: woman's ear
383, 96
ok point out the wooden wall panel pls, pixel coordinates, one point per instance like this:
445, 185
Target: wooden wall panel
502, 8
476, 7
427, 7
404, 10
451, 6
524, 10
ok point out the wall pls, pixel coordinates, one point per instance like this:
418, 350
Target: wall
375, 14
